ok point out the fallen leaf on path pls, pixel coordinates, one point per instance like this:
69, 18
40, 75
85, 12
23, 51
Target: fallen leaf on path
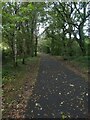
71, 85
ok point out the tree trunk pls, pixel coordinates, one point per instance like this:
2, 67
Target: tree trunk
36, 42
82, 46
81, 40
52, 46
23, 59
24, 51
69, 45
15, 52
15, 40
32, 41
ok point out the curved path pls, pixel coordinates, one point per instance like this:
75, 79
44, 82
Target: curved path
58, 92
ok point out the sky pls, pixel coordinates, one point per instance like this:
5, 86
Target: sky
41, 29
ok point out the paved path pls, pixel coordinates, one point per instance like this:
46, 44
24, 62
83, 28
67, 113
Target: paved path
58, 91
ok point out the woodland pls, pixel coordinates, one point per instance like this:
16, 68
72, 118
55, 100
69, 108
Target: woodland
65, 29
32, 29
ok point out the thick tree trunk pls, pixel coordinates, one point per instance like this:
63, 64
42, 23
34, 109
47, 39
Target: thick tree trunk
81, 40
64, 46
82, 46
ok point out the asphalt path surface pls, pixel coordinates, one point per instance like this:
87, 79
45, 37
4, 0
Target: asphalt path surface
58, 92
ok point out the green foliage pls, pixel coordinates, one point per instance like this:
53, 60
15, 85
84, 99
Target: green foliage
65, 18
81, 61
62, 23
19, 28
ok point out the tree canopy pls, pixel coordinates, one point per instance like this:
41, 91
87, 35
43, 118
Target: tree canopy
65, 28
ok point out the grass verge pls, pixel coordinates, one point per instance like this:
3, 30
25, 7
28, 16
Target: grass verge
18, 84
79, 64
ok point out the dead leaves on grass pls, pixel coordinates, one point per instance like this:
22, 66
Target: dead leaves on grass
15, 107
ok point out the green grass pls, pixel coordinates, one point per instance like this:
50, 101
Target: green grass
81, 61
10, 73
